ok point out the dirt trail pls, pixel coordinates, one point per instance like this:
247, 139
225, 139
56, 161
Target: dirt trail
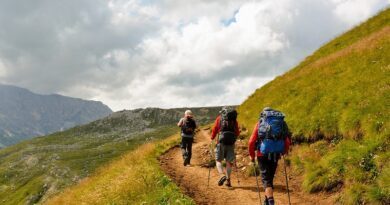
192, 181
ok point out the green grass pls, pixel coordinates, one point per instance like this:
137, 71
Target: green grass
36, 169
61, 160
338, 99
136, 178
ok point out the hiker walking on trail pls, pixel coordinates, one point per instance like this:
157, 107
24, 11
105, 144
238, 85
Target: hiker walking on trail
226, 127
188, 126
270, 139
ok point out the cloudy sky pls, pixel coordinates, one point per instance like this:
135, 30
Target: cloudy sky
166, 53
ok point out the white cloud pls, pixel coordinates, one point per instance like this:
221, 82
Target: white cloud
169, 53
2, 69
238, 89
356, 11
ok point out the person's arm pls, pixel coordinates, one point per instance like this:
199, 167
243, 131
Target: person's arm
287, 143
216, 128
252, 142
180, 123
237, 129
194, 127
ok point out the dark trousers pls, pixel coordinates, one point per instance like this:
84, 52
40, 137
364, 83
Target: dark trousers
268, 167
186, 148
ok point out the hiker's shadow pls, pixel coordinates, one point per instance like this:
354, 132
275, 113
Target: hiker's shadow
277, 188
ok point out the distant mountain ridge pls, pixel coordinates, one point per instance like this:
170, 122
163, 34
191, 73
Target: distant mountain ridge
24, 114
148, 118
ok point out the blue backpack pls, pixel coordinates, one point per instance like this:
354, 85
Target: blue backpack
272, 132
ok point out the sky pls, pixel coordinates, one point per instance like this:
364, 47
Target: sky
167, 53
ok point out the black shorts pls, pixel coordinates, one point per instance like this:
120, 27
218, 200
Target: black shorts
267, 170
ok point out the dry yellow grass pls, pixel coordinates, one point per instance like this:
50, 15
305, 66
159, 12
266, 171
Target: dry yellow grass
133, 179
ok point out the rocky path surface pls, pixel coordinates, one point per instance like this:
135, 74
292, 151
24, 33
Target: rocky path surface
192, 180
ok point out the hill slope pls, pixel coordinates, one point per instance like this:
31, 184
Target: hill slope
36, 169
24, 114
135, 178
338, 100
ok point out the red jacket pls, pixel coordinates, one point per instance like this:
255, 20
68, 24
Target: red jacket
217, 128
253, 139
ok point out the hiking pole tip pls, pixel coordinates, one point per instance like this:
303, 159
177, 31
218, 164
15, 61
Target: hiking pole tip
257, 181
285, 174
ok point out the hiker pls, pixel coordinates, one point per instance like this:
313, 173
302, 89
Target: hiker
270, 139
226, 127
188, 127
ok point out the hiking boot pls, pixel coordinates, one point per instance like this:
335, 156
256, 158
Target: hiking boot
221, 181
271, 201
228, 184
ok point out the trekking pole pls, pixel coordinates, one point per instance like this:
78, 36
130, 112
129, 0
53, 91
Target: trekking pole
211, 158
235, 164
257, 181
285, 174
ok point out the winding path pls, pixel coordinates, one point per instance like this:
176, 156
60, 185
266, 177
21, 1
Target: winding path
192, 180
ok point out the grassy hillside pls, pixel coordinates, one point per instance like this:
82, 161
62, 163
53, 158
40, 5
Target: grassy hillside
36, 169
136, 178
338, 100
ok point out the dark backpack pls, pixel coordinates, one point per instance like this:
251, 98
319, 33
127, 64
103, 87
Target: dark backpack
188, 126
228, 127
272, 132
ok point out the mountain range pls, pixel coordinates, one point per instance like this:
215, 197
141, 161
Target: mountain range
24, 114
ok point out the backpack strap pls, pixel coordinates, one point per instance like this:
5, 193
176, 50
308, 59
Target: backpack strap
220, 127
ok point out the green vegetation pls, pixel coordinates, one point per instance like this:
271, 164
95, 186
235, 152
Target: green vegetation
136, 178
35, 170
44, 165
337, 100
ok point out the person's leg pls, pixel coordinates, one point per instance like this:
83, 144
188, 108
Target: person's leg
228, 169
184, 148
220, 168
269, 192
218, 158
230, 158
223, 178
228, 173
189, 151
265, 172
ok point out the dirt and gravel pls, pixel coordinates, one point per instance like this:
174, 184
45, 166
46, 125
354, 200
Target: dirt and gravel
193, 179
